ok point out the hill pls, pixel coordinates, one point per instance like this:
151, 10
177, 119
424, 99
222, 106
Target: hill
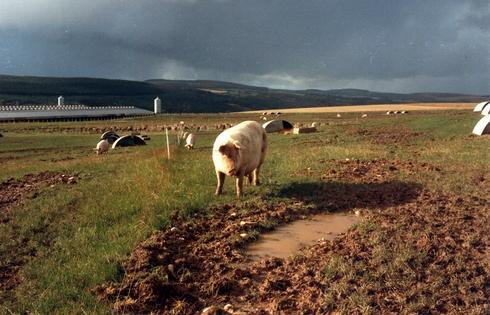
99, 92
195, 96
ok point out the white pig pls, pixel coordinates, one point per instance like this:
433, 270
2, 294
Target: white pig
102, 147
239, 151
190, 141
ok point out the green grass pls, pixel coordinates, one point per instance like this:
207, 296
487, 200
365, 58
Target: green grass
82, 233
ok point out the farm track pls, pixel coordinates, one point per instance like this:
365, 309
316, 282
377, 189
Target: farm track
414, 251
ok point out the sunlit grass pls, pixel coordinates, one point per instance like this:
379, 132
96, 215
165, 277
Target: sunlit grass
82, 233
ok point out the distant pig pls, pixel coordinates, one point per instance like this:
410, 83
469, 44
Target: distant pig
239, 151
190, 141
102, 147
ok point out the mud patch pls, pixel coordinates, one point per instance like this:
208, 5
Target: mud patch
428, 256
14, 193
286, 240
412, 252
372, 171
201, 261
388, 135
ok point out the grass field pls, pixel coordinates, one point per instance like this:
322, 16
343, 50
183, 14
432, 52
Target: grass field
62, 243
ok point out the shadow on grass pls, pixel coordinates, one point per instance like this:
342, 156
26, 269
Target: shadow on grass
336, 196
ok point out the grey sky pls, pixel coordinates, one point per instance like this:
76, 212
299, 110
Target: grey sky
382, 45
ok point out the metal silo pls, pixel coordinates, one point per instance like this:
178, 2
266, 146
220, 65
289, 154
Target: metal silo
157, 105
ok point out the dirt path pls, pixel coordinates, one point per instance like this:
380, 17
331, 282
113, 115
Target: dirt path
414, 251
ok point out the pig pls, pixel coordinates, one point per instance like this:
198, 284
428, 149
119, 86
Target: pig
239, 151
190, 141
102, 147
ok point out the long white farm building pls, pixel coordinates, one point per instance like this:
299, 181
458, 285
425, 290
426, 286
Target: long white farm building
67, 112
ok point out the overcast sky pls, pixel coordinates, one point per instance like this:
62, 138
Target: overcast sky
382, 45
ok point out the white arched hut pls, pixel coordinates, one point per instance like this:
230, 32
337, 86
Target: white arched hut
486, 110
128, 141
277, 126
482, 127
110, 136
480, 106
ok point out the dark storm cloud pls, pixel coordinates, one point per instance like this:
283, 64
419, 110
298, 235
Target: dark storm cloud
379, 44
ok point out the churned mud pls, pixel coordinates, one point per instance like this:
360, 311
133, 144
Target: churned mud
372, 171
388, 135
412, 251
14, 193
427, 256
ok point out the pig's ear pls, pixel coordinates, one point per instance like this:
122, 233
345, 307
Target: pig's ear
224, 149
238, 145
228, 150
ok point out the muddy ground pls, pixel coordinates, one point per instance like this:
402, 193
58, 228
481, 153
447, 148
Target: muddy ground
397, 136
14, 191
414, 251
372, 171
13, 194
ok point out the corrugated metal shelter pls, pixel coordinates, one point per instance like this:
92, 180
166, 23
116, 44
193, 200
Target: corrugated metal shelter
277, 126
486, 110
482, 127
480, 106
128, 141
110, 136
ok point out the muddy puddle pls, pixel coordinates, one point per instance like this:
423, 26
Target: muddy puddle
287, 240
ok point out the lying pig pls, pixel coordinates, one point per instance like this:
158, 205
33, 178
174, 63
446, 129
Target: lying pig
239, 151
